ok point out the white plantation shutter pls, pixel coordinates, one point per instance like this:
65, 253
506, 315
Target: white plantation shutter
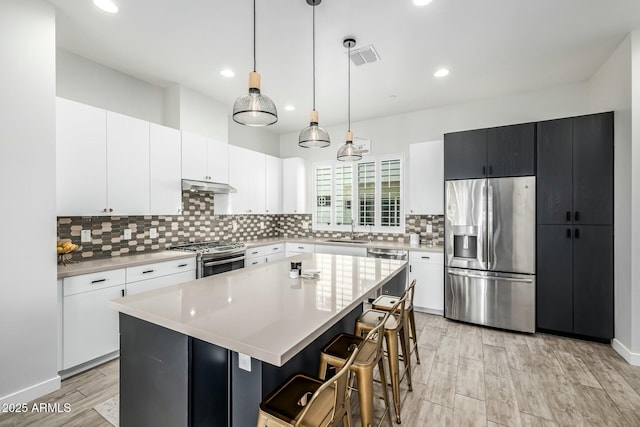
366, 193
390, 202
323, 195
344, 194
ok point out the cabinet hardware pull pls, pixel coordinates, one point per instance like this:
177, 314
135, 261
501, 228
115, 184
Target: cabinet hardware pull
254, 262
490, 170
568, 215
409, 269
182, 265
275, 249
484, 170
123, 292
426, 257
148, 271
576, 216
104, 210
300, 247
99, 280
568, 233
110, 209
254, 252
577, 233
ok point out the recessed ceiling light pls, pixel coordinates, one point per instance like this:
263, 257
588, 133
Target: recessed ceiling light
227, 72
421, 2
106, 5
442, 72
289, 107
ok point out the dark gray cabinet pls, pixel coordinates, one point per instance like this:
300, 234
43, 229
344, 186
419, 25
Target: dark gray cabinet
575, 170
494, 152
575, 225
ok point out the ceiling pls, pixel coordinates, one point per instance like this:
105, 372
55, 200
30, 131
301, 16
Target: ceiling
493, 47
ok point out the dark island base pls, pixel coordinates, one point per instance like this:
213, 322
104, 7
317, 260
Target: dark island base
170, 379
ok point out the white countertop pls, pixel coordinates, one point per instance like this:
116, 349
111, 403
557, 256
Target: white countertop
114, 263
260, 311
380, 244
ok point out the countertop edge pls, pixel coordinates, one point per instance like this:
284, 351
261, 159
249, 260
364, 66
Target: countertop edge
115, 263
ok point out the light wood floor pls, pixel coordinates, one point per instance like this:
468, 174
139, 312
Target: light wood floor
469, 376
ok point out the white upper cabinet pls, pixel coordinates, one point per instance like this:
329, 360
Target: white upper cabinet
273, 185
426, 178
294, 186
164, 170
127, 165
204, 159
81, 159
247, 176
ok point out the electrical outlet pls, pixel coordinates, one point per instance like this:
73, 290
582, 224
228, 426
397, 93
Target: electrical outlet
244, 362
85, 236
234, 226
262, 225
305, 225
429, 228
153, 233
127, 234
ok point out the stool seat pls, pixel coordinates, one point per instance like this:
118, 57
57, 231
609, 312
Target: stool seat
341, 347
385, 302
287, 402
371, 318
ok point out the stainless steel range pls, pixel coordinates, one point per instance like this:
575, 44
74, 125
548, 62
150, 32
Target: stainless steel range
214, 257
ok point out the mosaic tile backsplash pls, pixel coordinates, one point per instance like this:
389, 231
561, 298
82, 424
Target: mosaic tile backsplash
198, 222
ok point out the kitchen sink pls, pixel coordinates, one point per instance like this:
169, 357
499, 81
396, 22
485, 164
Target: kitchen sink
346, 241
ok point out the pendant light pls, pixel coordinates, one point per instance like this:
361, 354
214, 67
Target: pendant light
349, 152
254, 109
313, 136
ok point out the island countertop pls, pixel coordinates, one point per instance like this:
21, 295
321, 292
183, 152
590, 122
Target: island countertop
261, 312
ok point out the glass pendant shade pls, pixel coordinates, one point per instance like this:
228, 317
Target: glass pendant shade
313, 136
254, 109
349, 152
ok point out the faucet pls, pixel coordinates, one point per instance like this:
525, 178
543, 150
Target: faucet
353, 230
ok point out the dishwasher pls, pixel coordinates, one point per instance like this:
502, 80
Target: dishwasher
396, 285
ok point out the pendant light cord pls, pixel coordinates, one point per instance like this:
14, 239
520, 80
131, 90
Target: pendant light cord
349, 88
314, 56
254, 36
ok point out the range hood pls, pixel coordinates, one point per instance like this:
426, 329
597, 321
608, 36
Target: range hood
207, 187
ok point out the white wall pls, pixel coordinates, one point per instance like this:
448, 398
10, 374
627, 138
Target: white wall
256, 139
610, 89
85, 81
635, 196
28, 359
203, 115
393, 134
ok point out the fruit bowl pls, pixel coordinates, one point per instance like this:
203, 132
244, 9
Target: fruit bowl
64, 250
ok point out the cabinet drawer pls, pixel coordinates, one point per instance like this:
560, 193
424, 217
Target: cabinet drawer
157, 269
252, 262
93, 281
301, 247
274, 257
273, 249
426, 257
255, 252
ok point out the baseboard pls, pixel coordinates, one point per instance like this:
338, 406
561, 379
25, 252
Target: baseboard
429, 310
31, 393
622, 350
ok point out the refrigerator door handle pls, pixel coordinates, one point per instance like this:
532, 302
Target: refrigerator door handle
478, 276
489, 234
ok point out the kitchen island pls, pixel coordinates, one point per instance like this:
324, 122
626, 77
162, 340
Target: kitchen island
183, 348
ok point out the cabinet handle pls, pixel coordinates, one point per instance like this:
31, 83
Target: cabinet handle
182, 265
266, 210
568, 215
568, 233
254, 262
300, 247
104, 210
254, 252
577, 233
99, 280
123, 292
490, 170
275, 249
576, 216
426, 257
110, 210
409, 269
148, 271
484, 170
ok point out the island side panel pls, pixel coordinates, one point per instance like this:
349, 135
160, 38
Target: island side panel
209, 374
154, 375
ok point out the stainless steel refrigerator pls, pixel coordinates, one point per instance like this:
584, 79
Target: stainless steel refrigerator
490, 252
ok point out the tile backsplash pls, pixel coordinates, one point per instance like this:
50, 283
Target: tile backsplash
198, 222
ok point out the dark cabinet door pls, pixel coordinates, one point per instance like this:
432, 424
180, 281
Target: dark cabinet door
593, 169
554, 281
593, 281
511, 150
465, 154
555, 173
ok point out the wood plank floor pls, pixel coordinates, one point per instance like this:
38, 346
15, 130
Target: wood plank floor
469, 376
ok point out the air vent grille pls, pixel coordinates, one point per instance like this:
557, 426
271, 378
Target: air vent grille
364, 55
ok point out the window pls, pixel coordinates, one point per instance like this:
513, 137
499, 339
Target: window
368, 192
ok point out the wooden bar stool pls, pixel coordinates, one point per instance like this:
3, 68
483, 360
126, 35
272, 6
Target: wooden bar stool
305, 401
371, 355
385, 302
394, 331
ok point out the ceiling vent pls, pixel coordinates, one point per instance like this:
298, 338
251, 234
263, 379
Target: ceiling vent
364, 55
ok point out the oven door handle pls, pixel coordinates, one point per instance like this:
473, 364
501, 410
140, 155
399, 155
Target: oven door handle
224, 261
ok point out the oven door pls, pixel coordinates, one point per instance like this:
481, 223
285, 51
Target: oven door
218, 265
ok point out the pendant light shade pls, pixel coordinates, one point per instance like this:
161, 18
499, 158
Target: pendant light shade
313, 136
254, 109
349, 152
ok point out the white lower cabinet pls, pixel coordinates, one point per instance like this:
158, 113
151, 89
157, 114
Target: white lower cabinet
293, 249
341, 250
264, 254
427, 268
90, 327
